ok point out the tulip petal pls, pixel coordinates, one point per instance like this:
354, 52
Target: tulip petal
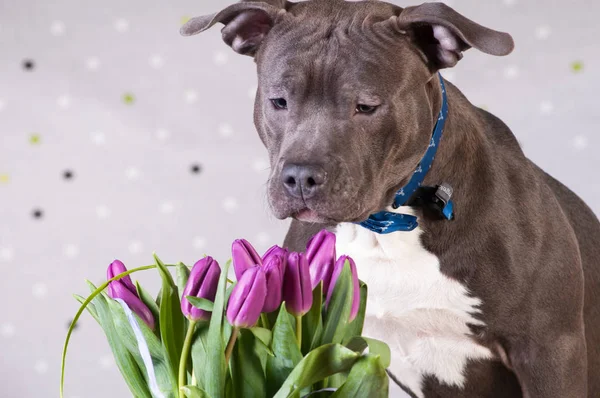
120, 291
320, 253
339, 266
247, 299
244, 256
274, 278
297, 288
202, 283
117, 267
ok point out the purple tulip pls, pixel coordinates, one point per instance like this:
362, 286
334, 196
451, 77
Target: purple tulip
125, 290
274, 271
320, 253
339, 266
297, 292
274, 251
247, 298
244, 256
202, 283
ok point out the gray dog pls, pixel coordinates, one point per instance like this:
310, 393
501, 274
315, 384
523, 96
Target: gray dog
483, 270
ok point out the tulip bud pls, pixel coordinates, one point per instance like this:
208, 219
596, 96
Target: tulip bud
297, 292
339, 266
274, 270
320, 253
275, 251
247, 298
202, 282
244, 256
125, 290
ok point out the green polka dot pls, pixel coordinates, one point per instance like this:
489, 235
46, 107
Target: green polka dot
4, 178
34, 139
184, 19
128, 98
577, 66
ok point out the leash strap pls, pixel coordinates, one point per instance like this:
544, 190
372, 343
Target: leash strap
386, 222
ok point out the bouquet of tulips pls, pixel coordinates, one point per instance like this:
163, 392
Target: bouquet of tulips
289, 327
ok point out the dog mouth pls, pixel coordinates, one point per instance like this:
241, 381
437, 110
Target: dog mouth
311, 216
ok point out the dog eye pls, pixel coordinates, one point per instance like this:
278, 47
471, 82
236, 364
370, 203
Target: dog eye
279, 103
365, 109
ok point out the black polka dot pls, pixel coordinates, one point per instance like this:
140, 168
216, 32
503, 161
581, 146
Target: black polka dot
38, 213
196, 168
69, 322
68, 174
28, 64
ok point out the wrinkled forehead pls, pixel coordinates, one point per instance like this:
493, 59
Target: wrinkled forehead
334, 42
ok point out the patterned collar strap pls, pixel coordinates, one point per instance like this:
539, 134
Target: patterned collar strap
387, 222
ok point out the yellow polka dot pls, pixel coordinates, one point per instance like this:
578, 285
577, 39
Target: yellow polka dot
577, 66
184, 19
128, 98
34, 139
4, 178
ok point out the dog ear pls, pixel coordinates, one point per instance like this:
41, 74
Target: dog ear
246, 24
442, 34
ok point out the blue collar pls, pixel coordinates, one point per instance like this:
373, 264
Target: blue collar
386, 222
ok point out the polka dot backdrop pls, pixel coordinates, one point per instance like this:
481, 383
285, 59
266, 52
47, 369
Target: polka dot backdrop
119, 138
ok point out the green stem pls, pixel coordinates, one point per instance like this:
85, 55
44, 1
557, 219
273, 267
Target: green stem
299, 331
265, 321
185, 353
231, 344
80, 311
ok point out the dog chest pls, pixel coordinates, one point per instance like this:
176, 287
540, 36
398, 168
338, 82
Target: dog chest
418, 311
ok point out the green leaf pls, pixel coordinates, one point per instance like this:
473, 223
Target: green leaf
214, 378
323, 362
194, 392
247, 373
338, 312
200, 352
171, 319
355, 327
150, 303
376, 347
90, 307
123, 358
166, 383
312, 322
201, 303
265, 336
324, 393
182, 275
366, 379
285, 351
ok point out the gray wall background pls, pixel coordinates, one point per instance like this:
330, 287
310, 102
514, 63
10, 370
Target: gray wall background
119, 100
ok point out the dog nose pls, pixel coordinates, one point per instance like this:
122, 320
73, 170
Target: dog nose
303, 181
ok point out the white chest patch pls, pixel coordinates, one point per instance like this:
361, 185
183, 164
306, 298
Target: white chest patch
412, 306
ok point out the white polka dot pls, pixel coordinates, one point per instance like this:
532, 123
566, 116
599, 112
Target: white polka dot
98, 138
132, 173
580, 142
191, 96
230, 204
260, 165
7, 330
167, 207
510, 2
220, 58
6, 254
57, 28
252, 92
542, 32
162, 134
546, 107
136, 247
2, 104
64, 102
106, 361
71, 250
121, 25
225, 130
41, 366
511, 72
199, 242
263, 238
156, 61
39, 290
103, 212
92, 63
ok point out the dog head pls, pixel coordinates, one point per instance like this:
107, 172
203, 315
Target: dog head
347, 96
